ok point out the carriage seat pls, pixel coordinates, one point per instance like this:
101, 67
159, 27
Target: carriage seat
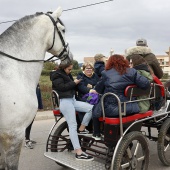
56, 112
131, 91
55, 102
130, 118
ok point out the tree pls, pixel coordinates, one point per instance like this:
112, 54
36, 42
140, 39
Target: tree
49, 65
75, 65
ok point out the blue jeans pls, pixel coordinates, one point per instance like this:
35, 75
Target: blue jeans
68, 106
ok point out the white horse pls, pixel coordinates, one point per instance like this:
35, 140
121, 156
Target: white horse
22, 51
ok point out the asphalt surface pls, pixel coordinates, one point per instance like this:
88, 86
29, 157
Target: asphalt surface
34, 159
44, 115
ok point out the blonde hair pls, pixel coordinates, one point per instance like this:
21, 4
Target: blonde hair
98, 59
88, 64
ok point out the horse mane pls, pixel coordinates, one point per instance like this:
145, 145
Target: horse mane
23, 23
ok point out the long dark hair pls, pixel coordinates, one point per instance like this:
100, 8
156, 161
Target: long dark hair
63, 66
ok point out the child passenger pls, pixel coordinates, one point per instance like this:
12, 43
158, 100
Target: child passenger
140, 64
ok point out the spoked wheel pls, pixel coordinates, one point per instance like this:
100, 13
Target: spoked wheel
164, 143
132, 153
60, 140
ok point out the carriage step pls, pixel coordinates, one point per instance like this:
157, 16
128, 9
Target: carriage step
68, 159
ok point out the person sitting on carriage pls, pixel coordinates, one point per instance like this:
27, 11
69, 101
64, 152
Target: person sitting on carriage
99, 64
116, 77
65, 86
139, 63
143, 50
88, 81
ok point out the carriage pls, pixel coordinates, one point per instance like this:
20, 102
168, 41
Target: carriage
124, 143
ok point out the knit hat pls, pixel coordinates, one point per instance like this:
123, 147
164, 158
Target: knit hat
137, 59
141, 42
98, 57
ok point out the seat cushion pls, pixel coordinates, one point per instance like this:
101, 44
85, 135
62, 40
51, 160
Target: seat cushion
56, 112
128, 118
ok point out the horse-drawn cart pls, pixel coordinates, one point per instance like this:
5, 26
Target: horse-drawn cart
124, 144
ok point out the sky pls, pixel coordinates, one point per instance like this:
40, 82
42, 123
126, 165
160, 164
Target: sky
96, 29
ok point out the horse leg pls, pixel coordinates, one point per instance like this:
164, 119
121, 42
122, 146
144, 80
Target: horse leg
11, 146
2, 160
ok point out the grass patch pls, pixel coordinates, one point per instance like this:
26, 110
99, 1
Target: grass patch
46, 88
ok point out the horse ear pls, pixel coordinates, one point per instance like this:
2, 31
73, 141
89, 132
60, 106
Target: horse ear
60, 26
57, 13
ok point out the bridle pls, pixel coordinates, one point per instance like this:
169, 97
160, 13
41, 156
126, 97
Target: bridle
65, 45
60, 56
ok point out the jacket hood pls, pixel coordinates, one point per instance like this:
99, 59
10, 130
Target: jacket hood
142, 67
98, 64
137, 50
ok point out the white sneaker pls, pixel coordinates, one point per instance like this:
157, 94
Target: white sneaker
33, 141
28, 144
84, 157
96, 137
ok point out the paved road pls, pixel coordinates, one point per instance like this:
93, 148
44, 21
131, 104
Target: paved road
35, 160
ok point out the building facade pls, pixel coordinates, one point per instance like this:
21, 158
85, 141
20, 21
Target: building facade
164, 61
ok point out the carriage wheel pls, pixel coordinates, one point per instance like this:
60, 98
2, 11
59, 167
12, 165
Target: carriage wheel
132, 153
163, 145
60, 140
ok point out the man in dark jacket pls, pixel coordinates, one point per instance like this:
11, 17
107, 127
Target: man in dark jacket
99, 64
143, 50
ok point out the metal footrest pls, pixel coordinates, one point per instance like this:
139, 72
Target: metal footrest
68, 159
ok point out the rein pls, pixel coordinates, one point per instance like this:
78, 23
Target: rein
10, 56
65, 45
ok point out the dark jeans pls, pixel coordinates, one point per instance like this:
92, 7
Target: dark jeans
40, 106
28, 130
96, 126
39, 98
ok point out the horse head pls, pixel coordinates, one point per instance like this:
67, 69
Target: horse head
58, 46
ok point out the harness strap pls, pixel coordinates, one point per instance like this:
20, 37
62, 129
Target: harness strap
9, 56
49, 59
55, 27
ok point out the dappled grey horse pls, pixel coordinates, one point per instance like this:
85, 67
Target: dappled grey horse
22, 52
